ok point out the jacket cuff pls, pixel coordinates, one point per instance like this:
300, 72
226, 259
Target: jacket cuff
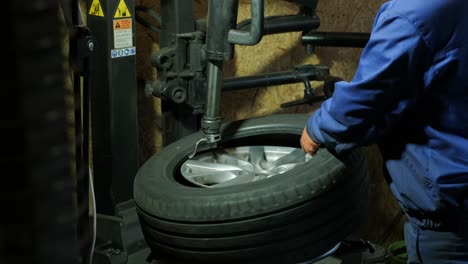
312, 128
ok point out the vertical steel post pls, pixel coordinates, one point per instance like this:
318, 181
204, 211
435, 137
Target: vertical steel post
113, 92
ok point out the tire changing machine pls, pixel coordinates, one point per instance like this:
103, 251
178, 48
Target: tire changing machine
190, 85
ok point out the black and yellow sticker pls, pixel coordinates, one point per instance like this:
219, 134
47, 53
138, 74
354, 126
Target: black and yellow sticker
122, 10
96, 9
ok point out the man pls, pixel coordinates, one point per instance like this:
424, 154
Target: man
410, 95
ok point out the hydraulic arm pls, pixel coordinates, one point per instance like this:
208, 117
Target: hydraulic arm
221, 36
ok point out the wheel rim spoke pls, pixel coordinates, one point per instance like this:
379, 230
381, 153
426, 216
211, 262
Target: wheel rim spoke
226, 158
256, 155
241, 178
202, 167
212, 179
240, 165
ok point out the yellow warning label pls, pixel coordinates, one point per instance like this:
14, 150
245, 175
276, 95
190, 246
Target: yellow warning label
122, 10
96, 9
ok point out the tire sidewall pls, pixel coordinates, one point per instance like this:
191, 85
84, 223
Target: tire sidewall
157, 191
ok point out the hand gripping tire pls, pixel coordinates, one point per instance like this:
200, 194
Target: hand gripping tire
289, 218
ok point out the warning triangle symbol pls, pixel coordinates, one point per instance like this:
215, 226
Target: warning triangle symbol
96, 9
122, 10
117, 25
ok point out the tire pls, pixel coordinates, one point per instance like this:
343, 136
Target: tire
289, 218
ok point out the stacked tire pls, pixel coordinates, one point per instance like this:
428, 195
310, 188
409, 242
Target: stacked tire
289, 218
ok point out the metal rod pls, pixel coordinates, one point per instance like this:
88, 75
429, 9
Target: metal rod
217, 50
269, 79
336, 39
215, 77
284, 24
254, 35
222, 17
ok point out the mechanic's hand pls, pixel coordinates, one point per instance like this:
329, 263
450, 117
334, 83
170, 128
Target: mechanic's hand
308, 145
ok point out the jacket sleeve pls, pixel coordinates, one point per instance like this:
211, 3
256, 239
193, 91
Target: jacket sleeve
389, 78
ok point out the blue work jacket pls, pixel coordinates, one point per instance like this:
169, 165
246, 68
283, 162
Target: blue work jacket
410, 95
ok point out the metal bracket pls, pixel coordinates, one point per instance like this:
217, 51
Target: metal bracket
163, 59
82, 45
119, 238
310, 98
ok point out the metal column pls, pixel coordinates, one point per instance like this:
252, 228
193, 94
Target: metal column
113, 101
113, 92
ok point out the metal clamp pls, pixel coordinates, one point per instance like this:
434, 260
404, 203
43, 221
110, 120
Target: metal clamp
309, 97
208, 139
201, 140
